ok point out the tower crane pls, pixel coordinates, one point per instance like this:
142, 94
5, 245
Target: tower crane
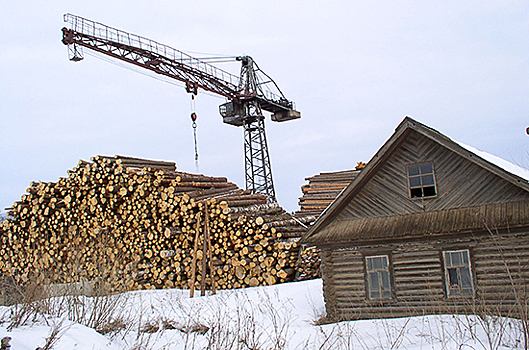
248, 94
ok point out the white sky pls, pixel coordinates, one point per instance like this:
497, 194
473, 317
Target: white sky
353, 68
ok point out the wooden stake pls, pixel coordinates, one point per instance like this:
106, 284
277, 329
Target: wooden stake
194, 263
210, 264
205, 253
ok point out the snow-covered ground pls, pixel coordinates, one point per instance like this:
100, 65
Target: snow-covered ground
275, 317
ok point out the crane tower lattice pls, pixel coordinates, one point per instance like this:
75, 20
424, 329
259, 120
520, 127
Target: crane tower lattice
248, 94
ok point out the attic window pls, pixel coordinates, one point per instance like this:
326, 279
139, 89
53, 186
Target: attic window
421, 180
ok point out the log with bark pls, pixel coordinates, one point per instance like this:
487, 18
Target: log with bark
130, 223
322, 189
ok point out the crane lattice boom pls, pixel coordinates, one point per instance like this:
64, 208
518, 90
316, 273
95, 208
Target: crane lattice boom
248, 94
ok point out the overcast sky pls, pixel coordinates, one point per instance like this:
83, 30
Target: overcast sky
354, 69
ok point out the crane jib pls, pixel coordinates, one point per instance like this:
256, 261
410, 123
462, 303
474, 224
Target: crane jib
248, 94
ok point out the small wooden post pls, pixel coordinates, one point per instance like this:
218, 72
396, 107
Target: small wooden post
194, 263
210, 264
205, 252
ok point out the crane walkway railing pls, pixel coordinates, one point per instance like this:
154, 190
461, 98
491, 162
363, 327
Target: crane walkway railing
104, 32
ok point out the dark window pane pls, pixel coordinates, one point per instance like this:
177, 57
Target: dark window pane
426, 168
373, 282
415, 181
416, 192
448, 261
457, 259
369, 264
377, 263
465, 258
378, 279
421, 176
429, 191
413, 170
452, 276
466, 282
385, 280
427, 180
459, 275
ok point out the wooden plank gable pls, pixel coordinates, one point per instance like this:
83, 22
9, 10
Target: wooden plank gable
459, 183
463, 180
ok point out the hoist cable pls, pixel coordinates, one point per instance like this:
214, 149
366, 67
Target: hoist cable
196, 147
194, 125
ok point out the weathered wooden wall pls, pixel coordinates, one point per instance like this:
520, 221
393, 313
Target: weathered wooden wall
426, 224
500, 265
460, 183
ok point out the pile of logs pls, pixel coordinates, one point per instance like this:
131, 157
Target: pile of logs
308, 265
133, 223
318, 194
322, 189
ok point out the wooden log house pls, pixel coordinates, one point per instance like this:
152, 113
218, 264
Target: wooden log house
429, 226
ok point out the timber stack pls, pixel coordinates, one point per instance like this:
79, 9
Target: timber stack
321, 190
140, 224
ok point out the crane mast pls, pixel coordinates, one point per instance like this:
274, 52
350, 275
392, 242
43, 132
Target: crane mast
248, 94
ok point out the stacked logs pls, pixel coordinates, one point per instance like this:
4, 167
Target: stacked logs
318, 194
322, 189
132, 223
308, 265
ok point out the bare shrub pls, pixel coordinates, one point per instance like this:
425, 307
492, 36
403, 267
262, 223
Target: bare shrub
505, 317
4, 343
30, 308
58, 328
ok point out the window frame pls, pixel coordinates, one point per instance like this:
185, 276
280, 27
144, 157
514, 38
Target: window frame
368, 283
420, 175
457, 290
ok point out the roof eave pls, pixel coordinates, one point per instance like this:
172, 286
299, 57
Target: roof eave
407, 125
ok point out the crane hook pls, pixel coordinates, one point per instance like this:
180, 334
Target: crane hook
194, 125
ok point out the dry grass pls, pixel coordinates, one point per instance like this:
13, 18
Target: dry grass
233, 321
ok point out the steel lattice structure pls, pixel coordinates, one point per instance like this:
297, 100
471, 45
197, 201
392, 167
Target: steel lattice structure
248, 95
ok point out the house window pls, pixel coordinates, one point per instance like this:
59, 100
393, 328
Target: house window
421, 180
458, 276
378, 283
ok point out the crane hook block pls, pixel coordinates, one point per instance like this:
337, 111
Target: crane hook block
191, 87
194, 117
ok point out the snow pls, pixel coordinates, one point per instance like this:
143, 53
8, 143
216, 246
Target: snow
273, 317
502, 163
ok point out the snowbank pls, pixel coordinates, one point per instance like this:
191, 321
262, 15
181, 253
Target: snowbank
275, 317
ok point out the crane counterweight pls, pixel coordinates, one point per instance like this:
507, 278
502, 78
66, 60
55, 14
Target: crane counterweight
248, 94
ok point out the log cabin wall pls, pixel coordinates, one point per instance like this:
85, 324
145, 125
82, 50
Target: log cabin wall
502, 269
499, 266
461, 247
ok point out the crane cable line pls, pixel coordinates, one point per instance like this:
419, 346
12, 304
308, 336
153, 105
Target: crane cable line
194, 125
248, 94
169, 81
149, 74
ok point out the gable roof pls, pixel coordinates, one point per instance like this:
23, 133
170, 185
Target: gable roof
507, 171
